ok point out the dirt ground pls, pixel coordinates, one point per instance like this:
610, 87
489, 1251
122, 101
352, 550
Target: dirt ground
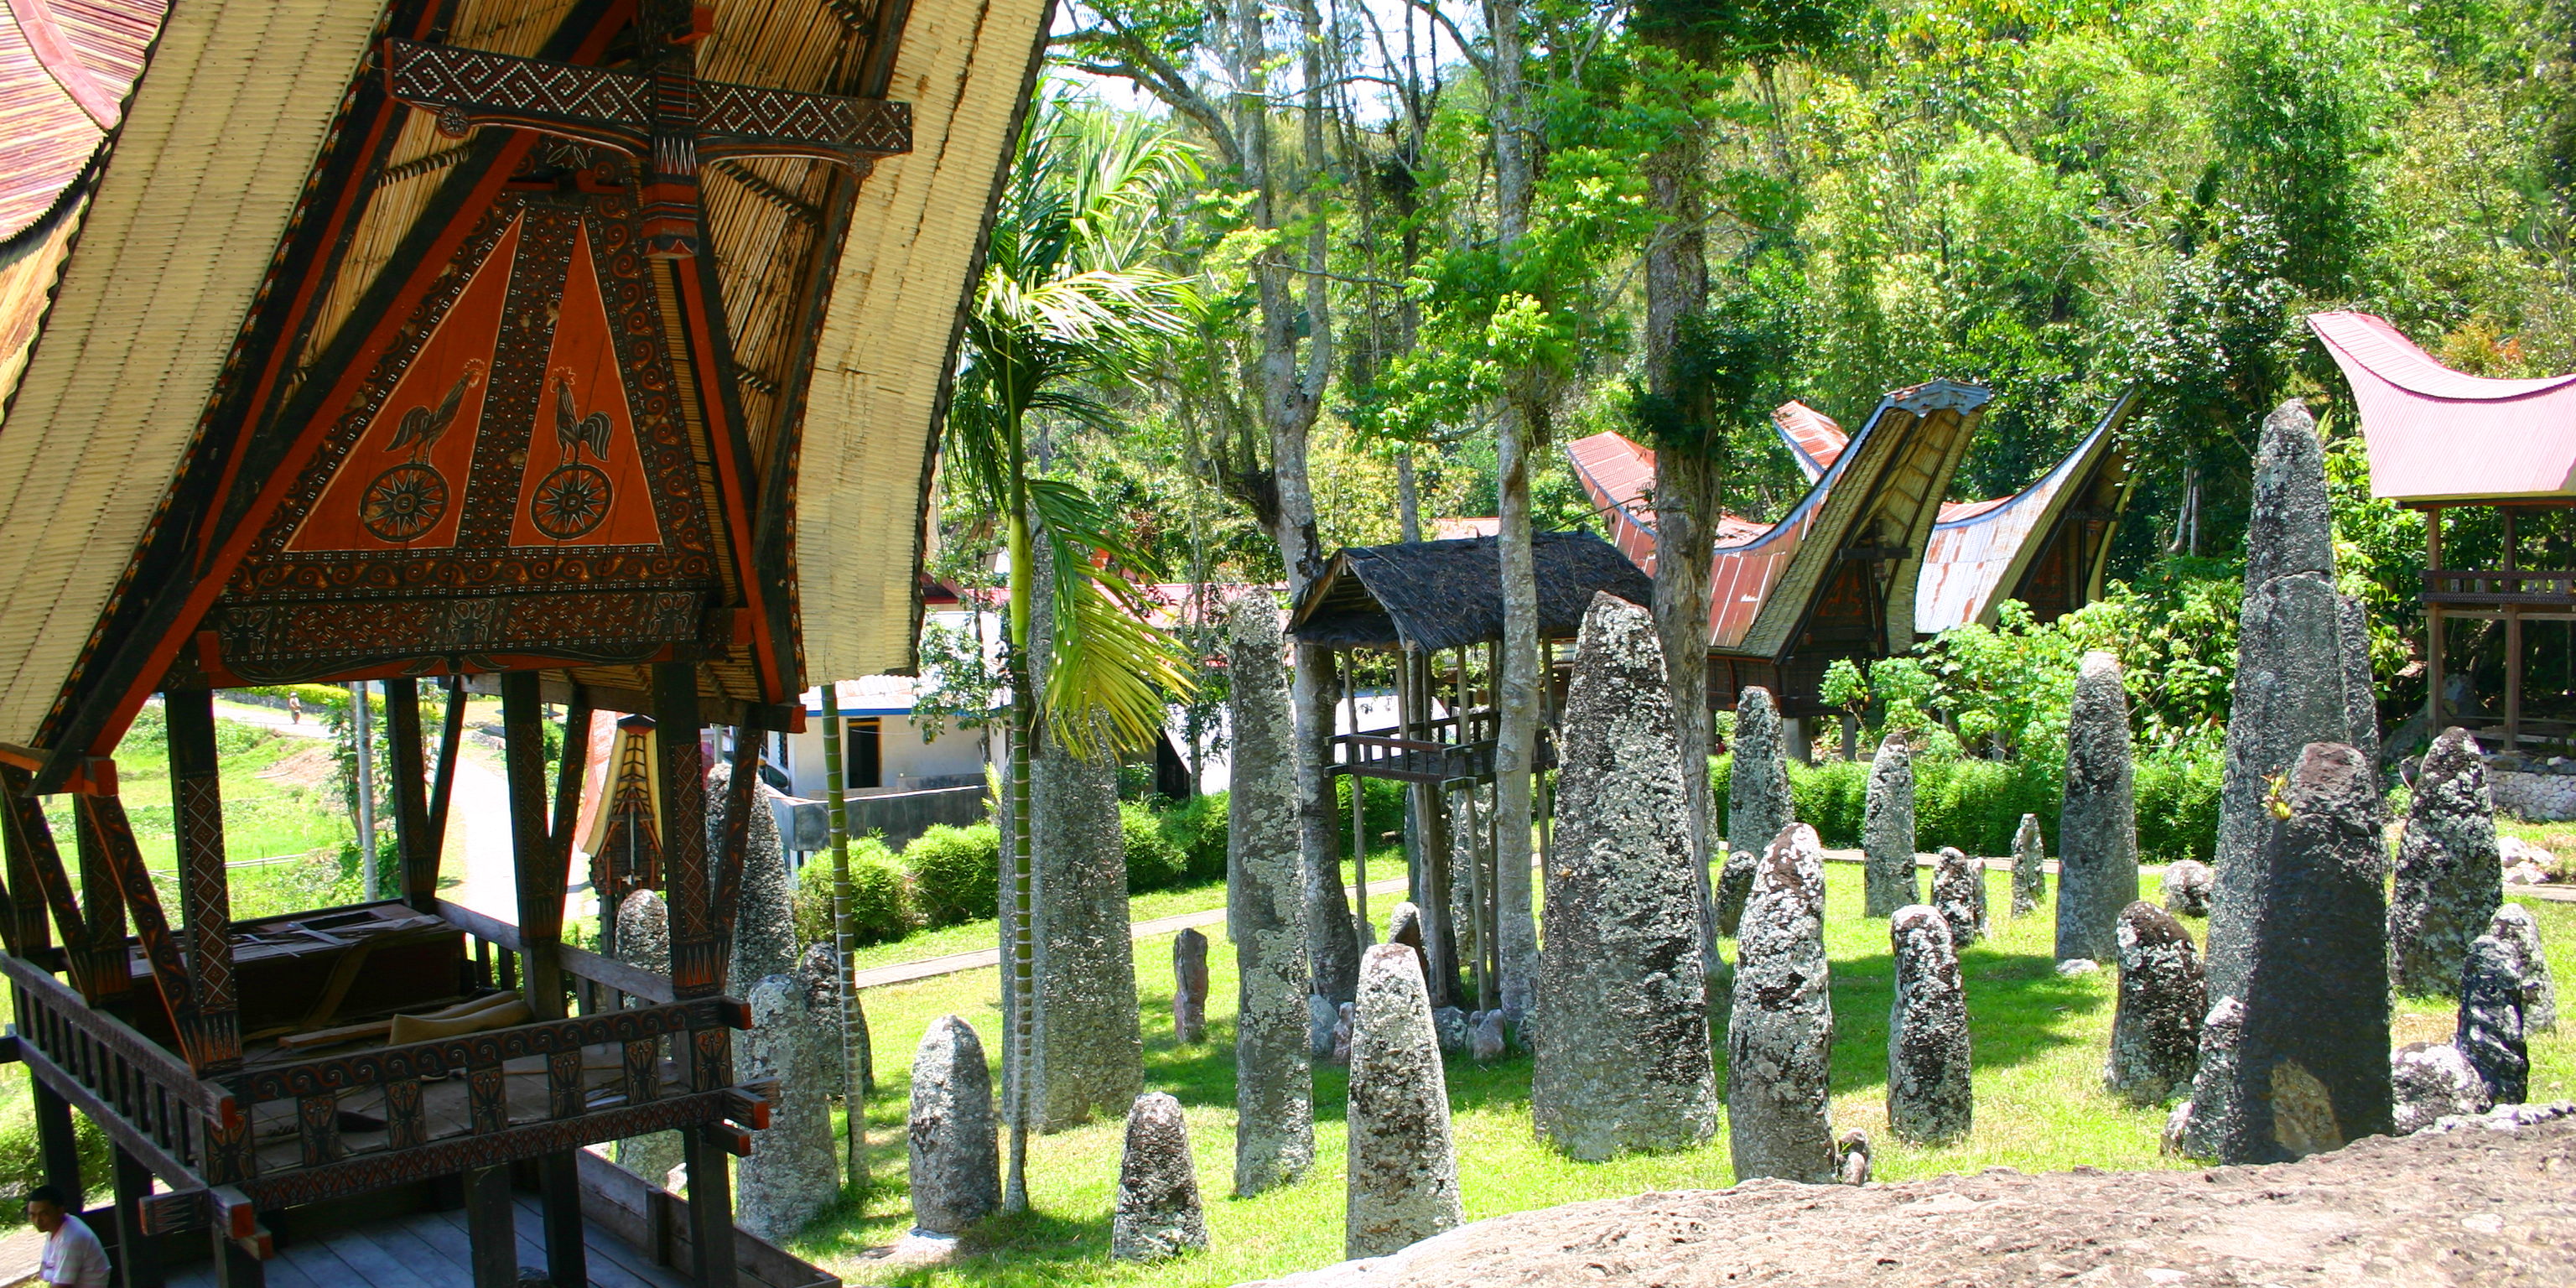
2476, 1206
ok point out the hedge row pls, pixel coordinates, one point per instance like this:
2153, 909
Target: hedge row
1977, 805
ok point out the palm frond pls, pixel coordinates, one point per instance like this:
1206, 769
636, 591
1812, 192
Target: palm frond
1111, 674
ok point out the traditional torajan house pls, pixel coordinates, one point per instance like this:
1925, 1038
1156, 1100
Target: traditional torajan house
2441, 440
1413, 602
593, 346
1838, 576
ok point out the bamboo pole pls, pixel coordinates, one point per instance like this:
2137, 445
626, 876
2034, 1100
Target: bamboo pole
854, 1080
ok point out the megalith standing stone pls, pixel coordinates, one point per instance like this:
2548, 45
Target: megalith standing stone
1158, 1214
1779, 1042
1274, 1078
1403, 1166
956, 1157
1757, 800
1887, 830
1929, 1099
2291, 675
2360, 687
2188, 883
2097, 829
2514, 924
764, 923
2433, 1081
644, 942
2029, 876
1959, 893
2491, 1022
792, 1170
1622, 995
2449, 880
2155, 1035
1189, 986
818, 972
2312, 1064
1404, 926
2212, 1107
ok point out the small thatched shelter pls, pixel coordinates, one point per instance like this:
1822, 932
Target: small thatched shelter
1432, 596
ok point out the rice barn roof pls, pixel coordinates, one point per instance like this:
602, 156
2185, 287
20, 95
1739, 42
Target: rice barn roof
1435, 595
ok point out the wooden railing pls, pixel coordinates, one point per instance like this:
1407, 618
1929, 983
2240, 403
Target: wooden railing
2554, 588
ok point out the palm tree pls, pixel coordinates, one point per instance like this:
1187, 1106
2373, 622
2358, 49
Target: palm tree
1068, 302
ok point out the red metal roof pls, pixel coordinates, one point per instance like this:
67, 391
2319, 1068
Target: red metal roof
1815, 440
1981, 547
2438, 434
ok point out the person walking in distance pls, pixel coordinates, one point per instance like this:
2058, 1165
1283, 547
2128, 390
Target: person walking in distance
294, 709
73, 1257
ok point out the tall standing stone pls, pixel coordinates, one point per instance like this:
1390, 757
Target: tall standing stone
2029, 876
792, 1170
2513, 924
1959, 893
2155, 1036
1403, 1168
2312, 1065
644, 942
1189, 986
1274, 1078
1887, 830
818, 973
956, 1157
764, 923
2490, 1029
1623, 1000
2360, 687
1757, 800
2449, 880
2292, 685
1158, 1214
1779, 1042
2097, 829
1929, 1098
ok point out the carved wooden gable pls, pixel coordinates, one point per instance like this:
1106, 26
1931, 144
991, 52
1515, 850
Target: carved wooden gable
515, 482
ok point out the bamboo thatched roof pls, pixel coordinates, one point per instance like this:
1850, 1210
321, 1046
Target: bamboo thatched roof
1435, 595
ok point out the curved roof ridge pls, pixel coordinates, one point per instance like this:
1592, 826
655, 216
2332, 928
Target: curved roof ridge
2369, 342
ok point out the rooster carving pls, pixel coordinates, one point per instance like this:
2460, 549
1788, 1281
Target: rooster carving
573, 430
422, 427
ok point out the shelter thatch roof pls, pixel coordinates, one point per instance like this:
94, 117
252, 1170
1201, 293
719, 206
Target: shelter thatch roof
1434, 595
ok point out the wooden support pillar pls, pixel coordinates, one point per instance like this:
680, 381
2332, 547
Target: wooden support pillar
106, 833
205, 894
235, 1267
102, 904
32, 847
1350, 662
543, 868
421, 883
138, 1257
57, 1149
697, 969
410, 763
492, 1228
2432, 624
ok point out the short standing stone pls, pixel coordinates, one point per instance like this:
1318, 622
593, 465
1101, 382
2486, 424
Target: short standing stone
1780, 1040
793, 1168
2514, 924
1322, 1017
1887, 830
2432, 1081
1757, 800
1487, 1042
1453, 1029
2213, 1084
2312, 1066
956, 1161
1852, 1153
2188, 883
2029, 876
1622, 995
1158, 1214
2097, 828
1403, 1166
644, 942
1342, 1030
1404, 926
2155, 1036
2491, 1020
1929, 1100
2449, 880
1274, 1077
1189, 986
1959, 893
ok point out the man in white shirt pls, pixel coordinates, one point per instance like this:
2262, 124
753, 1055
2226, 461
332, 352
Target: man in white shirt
73, 1258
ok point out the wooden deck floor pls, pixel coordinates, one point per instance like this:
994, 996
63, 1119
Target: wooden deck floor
430, 1250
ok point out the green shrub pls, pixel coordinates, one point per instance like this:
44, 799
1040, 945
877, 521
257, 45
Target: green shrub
1153, 862
1197, 827
1977, 804
956, 873
881, 898
2178, 805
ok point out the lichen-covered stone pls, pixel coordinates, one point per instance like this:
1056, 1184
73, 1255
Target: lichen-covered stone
1158, 1214
764, 925
2029, 876
2188, 884
956, 1158
1453, 1028
644, 942
1323, 1016
2312, 1065
1757, 800
1887, 830
2360, 688
1959, 893
1404, 926
2097, 827
1622, 993
793, 1169
1189, 986
2449, 880
2514, 924
2213, 1085
2432, 1081
1779, 1042
1274, 1079
2490, 1029
1486, 1044
2155, 1036
1852, 1158
1403, 1169
1929, 1099
818, 972
1345, 1025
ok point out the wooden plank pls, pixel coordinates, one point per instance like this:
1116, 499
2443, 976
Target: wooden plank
410, 1243
287, 1271
375, 1266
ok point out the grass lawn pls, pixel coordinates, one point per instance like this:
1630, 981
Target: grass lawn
2039, 1042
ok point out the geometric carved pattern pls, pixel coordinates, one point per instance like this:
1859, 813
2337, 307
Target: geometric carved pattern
751, 120
206, 903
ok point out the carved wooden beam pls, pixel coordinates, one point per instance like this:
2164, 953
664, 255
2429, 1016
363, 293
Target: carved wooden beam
31, 841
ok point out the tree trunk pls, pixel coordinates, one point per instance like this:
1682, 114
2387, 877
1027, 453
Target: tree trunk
1521, 431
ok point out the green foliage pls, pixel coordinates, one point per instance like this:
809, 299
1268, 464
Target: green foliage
2177, 795
1197, 828
1977, 804
956, 872
881, 898
1153, 861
